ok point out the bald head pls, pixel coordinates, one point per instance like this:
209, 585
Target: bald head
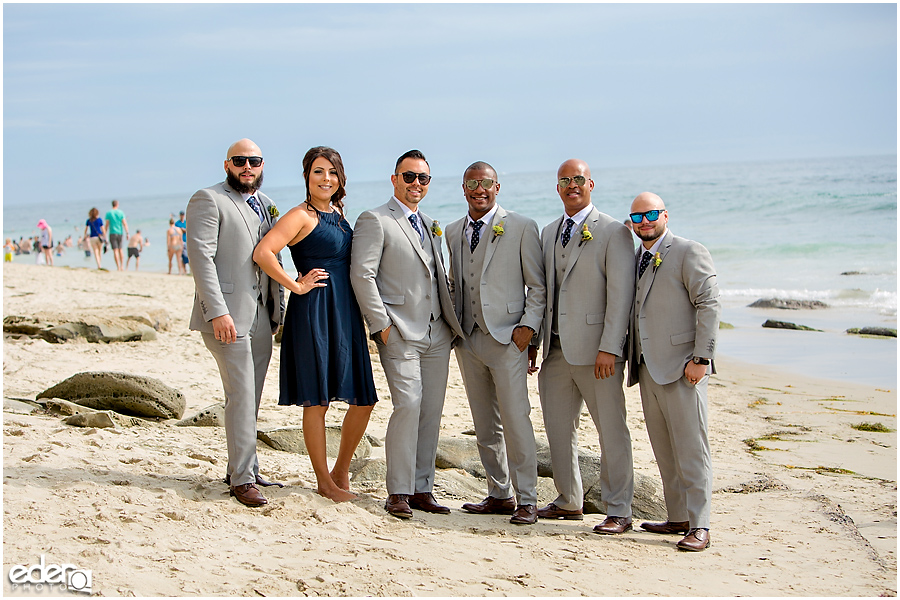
244, 147
649, 231
647, 201
574, 185
574, 164
245, 179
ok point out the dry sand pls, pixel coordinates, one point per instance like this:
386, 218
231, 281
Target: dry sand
144, 508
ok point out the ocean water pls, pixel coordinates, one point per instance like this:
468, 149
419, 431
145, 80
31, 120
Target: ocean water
787, 229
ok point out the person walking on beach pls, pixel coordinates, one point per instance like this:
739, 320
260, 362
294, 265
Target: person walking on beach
324, 353
495, 255
182, 225
116, 227
237, 308
174, 245
135, 247
94, 227
672, 341
46, 242
397, 273
588, 257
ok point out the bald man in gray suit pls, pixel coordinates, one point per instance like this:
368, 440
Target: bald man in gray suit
237, 308
588, 263
672, 342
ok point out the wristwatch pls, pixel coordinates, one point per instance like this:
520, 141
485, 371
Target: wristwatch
700, 361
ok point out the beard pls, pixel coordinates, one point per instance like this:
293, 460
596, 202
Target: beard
240, 187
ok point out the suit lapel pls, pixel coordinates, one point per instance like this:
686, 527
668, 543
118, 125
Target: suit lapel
492, 241
245, 211
591, 221
405, 225
650, 273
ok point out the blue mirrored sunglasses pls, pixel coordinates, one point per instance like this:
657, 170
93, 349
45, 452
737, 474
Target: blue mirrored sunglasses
651, 215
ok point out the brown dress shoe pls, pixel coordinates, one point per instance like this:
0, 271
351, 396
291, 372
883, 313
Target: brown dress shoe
491, 506
613, 525
397, 505
681, 527
259, 481
526, 514
425, 501
248, 495
552, 511
696, 540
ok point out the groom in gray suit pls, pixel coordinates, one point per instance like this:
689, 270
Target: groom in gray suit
237, 308
494, 256
398, 277
672, 341
588, 262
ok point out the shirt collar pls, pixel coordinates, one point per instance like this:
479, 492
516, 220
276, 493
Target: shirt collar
581, 215
486, 219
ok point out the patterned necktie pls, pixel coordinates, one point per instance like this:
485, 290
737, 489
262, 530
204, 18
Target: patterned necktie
645, 262
567, 232
414, 221
256, 207
476, 236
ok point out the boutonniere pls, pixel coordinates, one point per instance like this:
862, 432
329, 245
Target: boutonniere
273, 211
436, 228
657, 260
498, 230
585, 234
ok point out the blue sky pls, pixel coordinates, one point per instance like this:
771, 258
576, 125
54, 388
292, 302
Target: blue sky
107, 100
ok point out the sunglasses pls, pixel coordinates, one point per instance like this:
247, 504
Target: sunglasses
409, 177
651, 215
240, 161
472, 184
578, 179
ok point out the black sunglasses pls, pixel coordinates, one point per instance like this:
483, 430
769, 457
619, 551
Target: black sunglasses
240, 161
578, 179
651, 215
486, 184
409, 177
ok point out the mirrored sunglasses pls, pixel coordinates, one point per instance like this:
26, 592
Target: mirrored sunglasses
578, 179
472, 184
652, 215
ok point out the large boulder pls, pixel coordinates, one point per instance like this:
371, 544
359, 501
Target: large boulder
120, 392
788, 304
290, 439
773, 324
459, 453
94, 329
877, 331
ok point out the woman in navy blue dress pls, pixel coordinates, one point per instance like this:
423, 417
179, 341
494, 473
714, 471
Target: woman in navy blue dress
324, 352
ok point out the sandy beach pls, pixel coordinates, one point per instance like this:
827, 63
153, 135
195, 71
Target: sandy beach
803, 504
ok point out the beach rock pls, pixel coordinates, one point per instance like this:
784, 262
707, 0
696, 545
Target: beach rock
20, 406
93, 329
120, 392
158, 319
25, 325
458, 453
211, 416
879, 331
371, 469
771, 324
290, 439
788, 304
852, 273
102, 419
58, 406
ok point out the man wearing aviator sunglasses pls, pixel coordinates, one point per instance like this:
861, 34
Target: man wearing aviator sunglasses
588, 258
672, 341
397, 273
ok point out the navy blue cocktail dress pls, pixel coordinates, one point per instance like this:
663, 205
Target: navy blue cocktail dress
324, 354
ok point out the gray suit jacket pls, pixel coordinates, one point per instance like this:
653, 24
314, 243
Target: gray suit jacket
596, 290
389, 273
222, 232
677, 307
512, 262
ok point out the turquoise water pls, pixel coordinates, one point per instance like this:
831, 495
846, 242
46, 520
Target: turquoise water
780, 228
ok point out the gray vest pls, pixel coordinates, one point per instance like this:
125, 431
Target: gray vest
561, 260
432, 269
473, 267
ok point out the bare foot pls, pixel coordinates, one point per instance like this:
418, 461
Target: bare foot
336, 494
342, 480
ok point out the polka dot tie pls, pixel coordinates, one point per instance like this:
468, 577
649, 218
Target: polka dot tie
567, 232
645, 262
414, 221
476, 235
255, 206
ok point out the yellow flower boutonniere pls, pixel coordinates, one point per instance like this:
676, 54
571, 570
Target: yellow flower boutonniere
657, 260
436, 229
273, 211
585, 234
498, 230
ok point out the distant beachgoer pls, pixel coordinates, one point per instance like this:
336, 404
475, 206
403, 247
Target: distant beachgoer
59, 249
84, 243
182, 225
94, 227
174, 245
135, 246
46, 243
115, 227
8, 249
68, 243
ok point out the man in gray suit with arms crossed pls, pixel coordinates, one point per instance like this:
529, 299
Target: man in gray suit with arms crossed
494, 256
588, 260
672, 342
237, 308
397, 273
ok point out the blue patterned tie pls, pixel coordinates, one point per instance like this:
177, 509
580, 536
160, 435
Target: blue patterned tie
567, 232
645, 262
476, 236
414, 221
256, 207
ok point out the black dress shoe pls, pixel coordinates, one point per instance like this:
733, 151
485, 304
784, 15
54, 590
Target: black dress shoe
397, 505
552, 511
681, 527
526, 514
259, 481
696, 540
613, 525
425, 501
492, 506
248, 495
